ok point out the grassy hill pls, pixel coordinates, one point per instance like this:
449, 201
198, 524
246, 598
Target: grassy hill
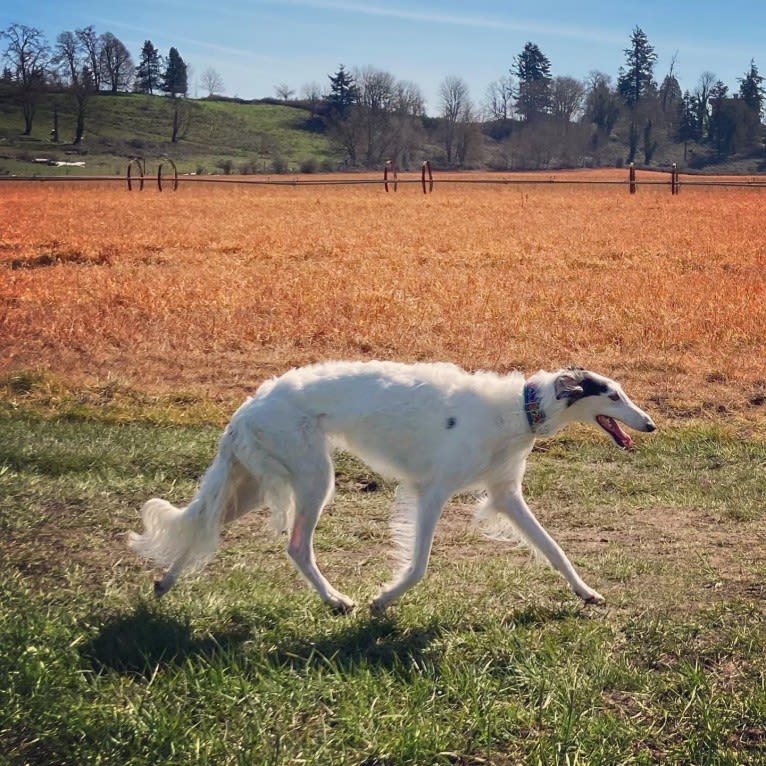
230, 136
216, 136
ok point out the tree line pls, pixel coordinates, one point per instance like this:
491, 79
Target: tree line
528, 118
537, 120
83, 63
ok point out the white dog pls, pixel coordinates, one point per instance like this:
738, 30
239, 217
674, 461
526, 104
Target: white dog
434, 427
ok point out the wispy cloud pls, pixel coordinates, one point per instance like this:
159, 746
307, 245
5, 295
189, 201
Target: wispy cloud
574, 32
226, 50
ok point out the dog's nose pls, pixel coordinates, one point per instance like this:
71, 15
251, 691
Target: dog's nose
650, 427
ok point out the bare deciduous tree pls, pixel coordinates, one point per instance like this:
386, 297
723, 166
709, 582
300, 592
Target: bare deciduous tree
212, 82
498, 103
311, 93
284, 92
71, 56
91, 43
377, 99
27, 54
567, 96
406, 128
602, 105
116, 63
702, 92
380, 118
456, 106
68, 56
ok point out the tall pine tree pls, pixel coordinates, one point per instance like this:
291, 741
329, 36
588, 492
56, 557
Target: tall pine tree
636, 79
174, 80
533, 70
149, 70
751, 89
343, 92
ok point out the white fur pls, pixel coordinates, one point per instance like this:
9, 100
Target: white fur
434, 427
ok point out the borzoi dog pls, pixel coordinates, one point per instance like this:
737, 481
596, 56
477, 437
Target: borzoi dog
434, 427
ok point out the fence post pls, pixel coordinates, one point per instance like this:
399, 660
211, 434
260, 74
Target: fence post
632, 178
427, 168
675, 182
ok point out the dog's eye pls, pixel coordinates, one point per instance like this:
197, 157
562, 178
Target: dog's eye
615, 397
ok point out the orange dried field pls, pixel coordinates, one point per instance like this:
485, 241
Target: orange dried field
207, 290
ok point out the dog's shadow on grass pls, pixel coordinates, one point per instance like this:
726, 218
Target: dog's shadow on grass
141, 640
376, 642
147, 637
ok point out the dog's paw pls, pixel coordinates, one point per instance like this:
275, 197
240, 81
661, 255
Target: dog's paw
342, 606
378, 607
593, 598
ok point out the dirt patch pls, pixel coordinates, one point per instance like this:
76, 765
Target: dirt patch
659, 558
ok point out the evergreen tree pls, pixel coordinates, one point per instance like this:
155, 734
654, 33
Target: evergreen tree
533, 70
670, 95
720, 128
174, 80
751, 89
689, 125
149, 70
636, 80
343, 92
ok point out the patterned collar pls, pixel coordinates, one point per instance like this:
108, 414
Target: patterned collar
532, 408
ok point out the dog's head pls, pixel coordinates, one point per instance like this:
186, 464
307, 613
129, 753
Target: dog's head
592, 398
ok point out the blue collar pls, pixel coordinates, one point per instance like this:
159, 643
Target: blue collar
532, 408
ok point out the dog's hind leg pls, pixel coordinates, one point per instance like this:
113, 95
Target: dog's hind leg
524, 522
313, 488
428, 509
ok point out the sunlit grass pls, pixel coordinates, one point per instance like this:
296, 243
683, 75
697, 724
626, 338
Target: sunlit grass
131, 325
213, 288
489, 660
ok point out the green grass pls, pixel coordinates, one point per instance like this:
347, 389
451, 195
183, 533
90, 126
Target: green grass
217, 135
244, 665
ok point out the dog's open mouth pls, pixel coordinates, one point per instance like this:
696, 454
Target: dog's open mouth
612, 427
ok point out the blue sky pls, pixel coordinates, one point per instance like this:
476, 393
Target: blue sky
256, 45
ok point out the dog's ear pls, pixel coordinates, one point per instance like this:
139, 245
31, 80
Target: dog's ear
568, 385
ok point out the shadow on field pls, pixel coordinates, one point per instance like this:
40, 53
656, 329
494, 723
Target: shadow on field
139, 642
369, 642
145, 638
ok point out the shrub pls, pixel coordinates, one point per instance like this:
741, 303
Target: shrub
279, 164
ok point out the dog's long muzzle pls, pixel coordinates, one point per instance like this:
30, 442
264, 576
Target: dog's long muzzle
636, 419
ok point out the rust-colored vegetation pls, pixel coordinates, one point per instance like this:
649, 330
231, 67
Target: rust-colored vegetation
211, 288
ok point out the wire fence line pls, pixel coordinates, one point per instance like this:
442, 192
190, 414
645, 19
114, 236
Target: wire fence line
167, 176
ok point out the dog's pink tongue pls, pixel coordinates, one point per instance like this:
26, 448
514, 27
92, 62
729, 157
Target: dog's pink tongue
612, 427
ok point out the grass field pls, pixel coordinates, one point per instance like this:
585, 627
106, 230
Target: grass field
215, 135
131, 325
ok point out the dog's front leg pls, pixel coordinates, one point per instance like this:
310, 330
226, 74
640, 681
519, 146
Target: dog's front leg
524, 521
428, 510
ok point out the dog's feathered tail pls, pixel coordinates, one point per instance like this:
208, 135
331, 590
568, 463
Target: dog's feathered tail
185, 539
